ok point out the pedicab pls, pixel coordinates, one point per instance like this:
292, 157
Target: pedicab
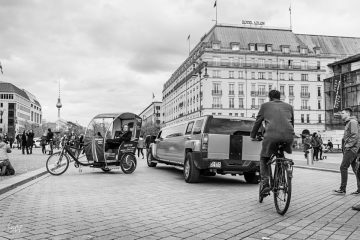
104, 146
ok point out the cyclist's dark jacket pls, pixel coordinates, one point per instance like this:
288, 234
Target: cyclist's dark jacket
279, 126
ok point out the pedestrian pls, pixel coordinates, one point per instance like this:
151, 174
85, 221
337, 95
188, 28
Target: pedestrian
350, 147
6, 139
50, 139
306, 139
43, 143
5, 166
11, 141
316, 145
330, 145
23, 143
320, 147
30, 141
140, 146
18, 141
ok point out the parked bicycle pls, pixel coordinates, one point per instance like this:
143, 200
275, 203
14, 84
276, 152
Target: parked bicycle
280, 182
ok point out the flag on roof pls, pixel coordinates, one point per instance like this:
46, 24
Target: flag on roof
215, 3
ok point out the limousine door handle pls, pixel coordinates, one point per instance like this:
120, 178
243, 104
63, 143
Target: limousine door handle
188, 138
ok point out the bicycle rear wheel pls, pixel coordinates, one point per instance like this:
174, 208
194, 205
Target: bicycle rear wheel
282, 188
57, 163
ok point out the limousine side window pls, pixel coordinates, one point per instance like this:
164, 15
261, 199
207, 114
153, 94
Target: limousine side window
176, 131
189, 128
197, 127
230, 126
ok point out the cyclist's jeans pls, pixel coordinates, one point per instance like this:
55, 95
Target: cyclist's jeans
349, 158
264, 170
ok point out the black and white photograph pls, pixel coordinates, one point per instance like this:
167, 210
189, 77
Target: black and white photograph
188, 119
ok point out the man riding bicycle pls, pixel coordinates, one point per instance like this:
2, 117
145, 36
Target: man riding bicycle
278, 117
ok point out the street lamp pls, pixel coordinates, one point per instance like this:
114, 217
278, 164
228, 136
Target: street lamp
1, 114
205, 76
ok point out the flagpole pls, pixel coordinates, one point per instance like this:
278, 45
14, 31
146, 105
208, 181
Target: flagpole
290, 16
216, 12
189, 43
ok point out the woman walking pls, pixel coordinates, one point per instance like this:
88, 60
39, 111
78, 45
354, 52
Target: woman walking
140, 146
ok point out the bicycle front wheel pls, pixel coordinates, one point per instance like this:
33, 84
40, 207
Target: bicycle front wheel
57, 163
282, 189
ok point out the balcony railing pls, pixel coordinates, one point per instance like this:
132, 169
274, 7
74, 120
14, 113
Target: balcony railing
253, 93
241, 93
262, 93
231, 92
217, 106
305, 107
254, 106
291, 94
305, 94
216, 92
262, 65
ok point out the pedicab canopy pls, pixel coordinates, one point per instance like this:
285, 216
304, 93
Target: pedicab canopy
108, 126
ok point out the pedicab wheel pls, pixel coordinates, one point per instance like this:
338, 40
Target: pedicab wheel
149, 158
191, 172
128, 163
106, 169
57, 163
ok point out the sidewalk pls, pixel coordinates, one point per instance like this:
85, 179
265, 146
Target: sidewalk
331, 162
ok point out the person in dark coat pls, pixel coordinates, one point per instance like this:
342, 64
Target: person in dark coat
116, 142
43, 143
23, 143
278, 117
30, 141
50, 139
315, 143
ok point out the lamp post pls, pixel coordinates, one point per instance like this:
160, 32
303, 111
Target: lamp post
1, 114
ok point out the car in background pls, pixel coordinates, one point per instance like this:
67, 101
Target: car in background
209, 145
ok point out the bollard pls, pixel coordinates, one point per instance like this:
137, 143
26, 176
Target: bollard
309, 159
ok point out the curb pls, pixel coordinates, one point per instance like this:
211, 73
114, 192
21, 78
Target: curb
14, 182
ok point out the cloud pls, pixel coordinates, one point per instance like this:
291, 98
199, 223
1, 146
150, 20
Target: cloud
111, 55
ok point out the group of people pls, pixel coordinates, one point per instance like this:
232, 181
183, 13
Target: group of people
278, 119
315, 142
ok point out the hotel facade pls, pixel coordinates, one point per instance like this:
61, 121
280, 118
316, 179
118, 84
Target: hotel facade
232, 69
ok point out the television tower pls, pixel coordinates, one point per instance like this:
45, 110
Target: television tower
58, 105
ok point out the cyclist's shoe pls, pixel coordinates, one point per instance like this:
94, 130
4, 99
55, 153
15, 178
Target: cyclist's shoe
356, 207
265, 189
340, 191
357, 193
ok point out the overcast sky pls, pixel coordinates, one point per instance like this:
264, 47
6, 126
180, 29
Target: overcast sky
110, 56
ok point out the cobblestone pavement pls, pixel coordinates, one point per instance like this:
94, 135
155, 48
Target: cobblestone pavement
156, 203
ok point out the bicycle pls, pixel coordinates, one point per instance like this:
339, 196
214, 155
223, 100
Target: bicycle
280, 182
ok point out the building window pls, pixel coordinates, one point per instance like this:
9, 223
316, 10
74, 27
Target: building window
216, 45
270, 75
319, 91
291, 76
216, 61
320, 118
216, 102
317, 50
269, 48
304, 91
252, 75
231, 74
303, 50
230, 114
318, 65
261, 91
235, 47
231, 88
241, 89
261, 63
216, 88
281, 63
241, 103
304, 104
231, 61
261, 101
242, 114
253, 103
236, 114
231, 103
318, 77
252, 47
261, 75
270, 87
304, 64
291, 91
307, 118
241, 76
241, 62
282, 77
302, 118
304, 77
319, 104
216, 73
291, 102
285, 49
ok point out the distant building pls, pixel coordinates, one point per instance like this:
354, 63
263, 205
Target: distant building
232, 69
18, 109
342, 90
152, 114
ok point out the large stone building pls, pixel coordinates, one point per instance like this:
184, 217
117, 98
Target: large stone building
18, 109
152, 114
231, 70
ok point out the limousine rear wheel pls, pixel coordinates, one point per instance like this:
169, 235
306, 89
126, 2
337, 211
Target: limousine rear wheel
149, 158
191, 173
